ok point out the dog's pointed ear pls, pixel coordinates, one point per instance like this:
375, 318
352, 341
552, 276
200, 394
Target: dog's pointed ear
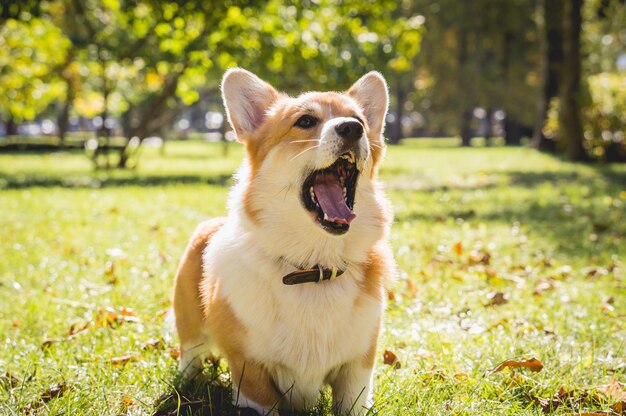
247, 99
370, 91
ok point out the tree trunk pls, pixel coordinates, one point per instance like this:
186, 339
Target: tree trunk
570, 125
466, 130
395, 133
466, 112
551, 38
488, 127
512, 132
63, 120
11, 127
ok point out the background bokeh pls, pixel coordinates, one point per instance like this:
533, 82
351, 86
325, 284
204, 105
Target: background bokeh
551, 73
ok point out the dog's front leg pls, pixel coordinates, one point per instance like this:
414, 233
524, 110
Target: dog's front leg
352, 388
253, 387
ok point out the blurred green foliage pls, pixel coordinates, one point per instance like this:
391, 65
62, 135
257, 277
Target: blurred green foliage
144, 61
120, 55
604, 117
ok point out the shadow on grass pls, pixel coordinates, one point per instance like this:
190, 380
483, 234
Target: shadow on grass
212, 396
613, 177
106, 181
571, 224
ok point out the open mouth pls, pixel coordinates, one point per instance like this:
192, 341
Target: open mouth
329, 194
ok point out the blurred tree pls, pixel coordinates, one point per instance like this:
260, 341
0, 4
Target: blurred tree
551, 41
328, 45
483, 54
570, 124
583, 122
32, 56
142, 61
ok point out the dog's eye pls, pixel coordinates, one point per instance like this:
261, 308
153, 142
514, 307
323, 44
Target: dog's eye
306, 122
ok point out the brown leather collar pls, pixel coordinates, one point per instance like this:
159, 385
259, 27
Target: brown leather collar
314, 275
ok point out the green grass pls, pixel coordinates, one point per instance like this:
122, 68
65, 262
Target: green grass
549, 235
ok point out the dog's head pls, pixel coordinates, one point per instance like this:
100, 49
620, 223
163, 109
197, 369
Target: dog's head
307, 156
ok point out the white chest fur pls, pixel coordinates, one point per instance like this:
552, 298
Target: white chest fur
300, 332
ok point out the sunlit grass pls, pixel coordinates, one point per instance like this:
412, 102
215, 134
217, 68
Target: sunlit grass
549, 235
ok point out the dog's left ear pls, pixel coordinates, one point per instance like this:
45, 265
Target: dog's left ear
247, 99
370, 91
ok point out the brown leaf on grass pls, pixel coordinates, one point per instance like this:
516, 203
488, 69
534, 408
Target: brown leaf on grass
390, 358
544, 285
607, 304
110, 274
16, 323
153, 344
8, 381
77, 329
48, 342
497, 299
614, 390
174, 352
412, 287
531, 364
123, 360
596, 272
479, 257
55, 390
619, 407
458, 248
550, 405
126, 403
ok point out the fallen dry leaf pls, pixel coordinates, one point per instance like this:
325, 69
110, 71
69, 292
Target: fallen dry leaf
614, 390
153, 344
458, 249
497, 299
48, 342
607, 304
544, 285
123, 360
8, 381
174, 352
531, 364
619, 407
604, 413
412, 287
55, 390
390, 358
77, 329
479, 257
550, 405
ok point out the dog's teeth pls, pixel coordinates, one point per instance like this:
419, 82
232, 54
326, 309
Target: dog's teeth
345, 191
312, 194
326, 216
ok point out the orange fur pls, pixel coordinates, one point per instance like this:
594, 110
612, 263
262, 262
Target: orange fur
187, 299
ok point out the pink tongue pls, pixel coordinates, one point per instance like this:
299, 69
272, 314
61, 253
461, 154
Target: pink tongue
329, 194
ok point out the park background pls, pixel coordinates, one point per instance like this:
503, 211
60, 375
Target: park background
506, 137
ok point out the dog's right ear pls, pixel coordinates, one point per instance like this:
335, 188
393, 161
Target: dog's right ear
247, 99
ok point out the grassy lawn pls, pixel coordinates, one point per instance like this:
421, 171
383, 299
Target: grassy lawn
504, 253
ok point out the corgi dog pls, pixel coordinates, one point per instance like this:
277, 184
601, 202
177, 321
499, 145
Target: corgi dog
289, 288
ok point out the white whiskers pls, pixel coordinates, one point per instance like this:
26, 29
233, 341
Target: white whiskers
304, 141
304, 151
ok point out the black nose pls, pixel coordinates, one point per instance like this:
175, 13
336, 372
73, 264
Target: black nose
350, 130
